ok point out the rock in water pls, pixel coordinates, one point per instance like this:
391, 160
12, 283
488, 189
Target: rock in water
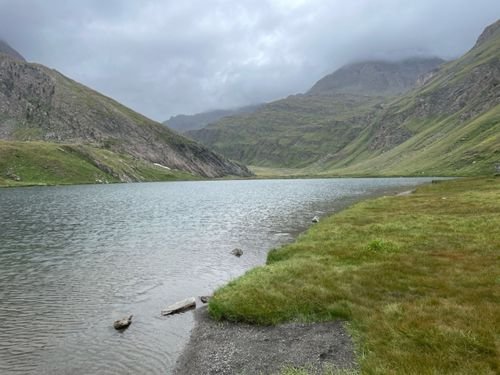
237, 252
187, 304
315, 219
205, 299
123, 323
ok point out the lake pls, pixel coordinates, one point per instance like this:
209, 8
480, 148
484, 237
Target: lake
75, 258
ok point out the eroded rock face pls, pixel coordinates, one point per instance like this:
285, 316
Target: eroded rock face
38, 103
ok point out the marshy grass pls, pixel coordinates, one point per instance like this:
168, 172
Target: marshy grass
417, 278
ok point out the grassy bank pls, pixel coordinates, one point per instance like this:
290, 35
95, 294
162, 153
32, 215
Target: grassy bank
417, 277
42, 163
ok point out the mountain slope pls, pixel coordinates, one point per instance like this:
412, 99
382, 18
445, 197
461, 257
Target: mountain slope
302, 129
448, 125
6, 49
184, 123
40, 104
375, 78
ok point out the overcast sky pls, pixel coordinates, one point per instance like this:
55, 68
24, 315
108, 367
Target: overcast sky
169, 57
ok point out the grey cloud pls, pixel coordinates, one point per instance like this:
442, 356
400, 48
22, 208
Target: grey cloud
168, 57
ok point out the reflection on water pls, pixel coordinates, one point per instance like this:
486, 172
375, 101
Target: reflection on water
73, 259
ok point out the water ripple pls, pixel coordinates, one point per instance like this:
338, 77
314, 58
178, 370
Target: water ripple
74, 259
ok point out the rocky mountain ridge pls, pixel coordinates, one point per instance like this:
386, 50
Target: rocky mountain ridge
185, 123
301, 129
6, 49
375, 78
447, 123
40, 104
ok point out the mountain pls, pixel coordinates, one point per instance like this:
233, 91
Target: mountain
302, 129
448, 123
40, 104
375, 78
6, 49
184, 123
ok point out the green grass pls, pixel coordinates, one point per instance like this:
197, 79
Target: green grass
292, 132
441, 149
417, 277
41, 163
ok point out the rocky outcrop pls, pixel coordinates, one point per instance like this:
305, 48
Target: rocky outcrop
37, 103
490, 32
464, 88
6, 49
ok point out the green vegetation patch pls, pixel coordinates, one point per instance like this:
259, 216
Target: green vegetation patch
42, 163
417, 277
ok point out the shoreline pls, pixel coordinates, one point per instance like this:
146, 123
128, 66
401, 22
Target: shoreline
235, 348
375, 319
230, 342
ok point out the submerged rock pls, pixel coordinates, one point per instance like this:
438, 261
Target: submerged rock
237, 252
184, 305
123, 323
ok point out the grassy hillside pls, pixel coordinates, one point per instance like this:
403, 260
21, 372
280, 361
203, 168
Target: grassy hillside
416, 276
40, 104
42, 163
184, 123
447, 125
292, 132
440, 148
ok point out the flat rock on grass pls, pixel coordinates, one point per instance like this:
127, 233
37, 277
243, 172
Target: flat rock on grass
229, 348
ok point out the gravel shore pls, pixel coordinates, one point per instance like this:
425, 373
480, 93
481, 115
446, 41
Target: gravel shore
230, 348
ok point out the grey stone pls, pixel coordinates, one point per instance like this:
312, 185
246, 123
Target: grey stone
205, 299
123, 323
184, 305
237, 252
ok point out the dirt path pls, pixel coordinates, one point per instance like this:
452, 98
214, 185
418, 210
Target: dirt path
228, 348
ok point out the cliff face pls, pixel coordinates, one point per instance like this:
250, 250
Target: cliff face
37, 103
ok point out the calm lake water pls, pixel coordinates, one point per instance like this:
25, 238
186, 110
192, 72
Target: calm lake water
74, 259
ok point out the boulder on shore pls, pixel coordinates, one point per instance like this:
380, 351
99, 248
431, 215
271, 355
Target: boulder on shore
315, 219
123, 323
184, 305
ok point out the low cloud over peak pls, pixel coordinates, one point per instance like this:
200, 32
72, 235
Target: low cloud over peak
164, 57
